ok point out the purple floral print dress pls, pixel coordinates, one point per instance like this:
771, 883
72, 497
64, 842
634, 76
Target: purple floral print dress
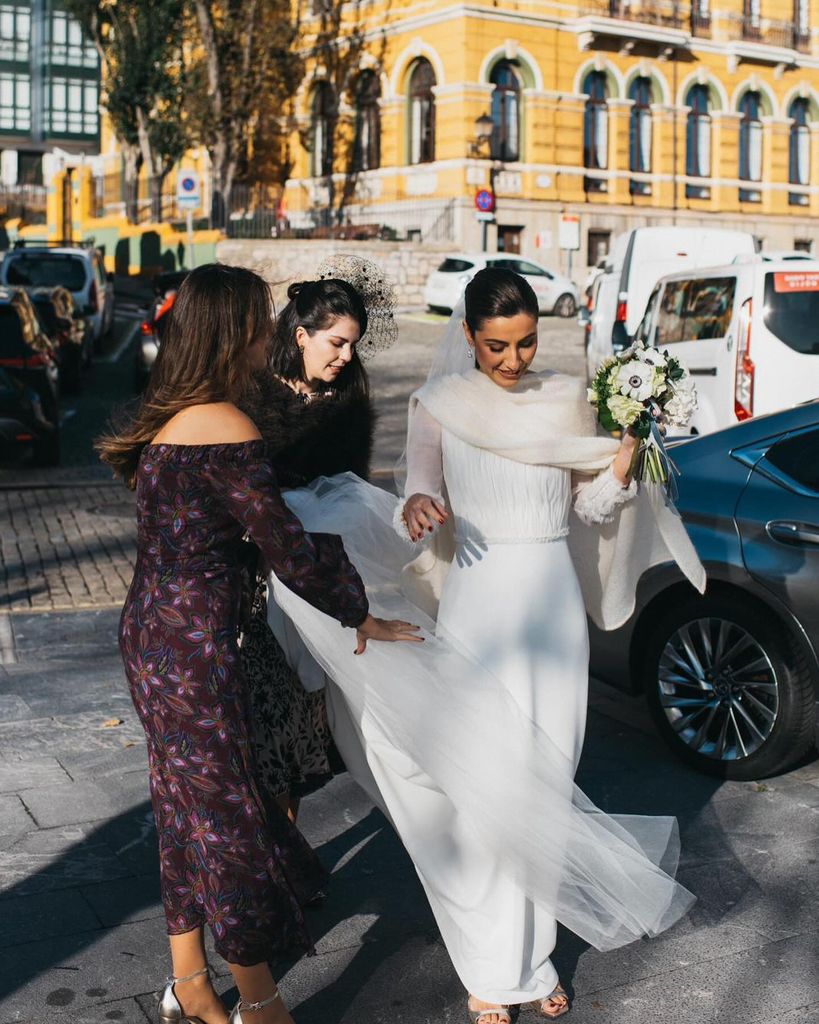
227, 859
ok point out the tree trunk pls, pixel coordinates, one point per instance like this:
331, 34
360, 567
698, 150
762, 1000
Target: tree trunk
132, 162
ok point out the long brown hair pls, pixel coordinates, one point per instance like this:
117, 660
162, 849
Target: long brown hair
218, 313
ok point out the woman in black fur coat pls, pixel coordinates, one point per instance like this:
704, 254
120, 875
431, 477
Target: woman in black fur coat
313, 410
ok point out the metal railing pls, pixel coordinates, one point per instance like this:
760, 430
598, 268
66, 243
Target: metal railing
669, 14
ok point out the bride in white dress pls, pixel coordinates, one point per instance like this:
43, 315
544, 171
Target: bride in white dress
470, 743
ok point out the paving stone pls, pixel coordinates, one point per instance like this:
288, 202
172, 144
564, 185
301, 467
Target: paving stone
78, 802
13, 815
68, 734
44, 916
120, 1011
13, 708
29, 774
77, 973
125, 901
61, 858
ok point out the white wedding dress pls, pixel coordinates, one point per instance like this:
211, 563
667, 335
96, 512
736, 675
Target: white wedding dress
513, 601
469, 742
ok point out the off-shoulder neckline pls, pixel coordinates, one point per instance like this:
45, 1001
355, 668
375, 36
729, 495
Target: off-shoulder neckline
166, 446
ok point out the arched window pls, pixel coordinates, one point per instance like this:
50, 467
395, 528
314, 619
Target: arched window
750, 145
367, 146
422, 113
698, 140
799, 150
640, 133
596, 129
505, 112
321, 130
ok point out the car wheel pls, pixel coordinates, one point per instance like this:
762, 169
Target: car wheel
731, 692
565, 306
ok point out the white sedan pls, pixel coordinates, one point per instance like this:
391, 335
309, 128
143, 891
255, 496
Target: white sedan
444, 286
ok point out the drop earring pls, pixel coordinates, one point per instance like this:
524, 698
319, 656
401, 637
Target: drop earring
469, 350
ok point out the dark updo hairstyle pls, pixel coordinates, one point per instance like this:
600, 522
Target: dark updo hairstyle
493, 292
315, 306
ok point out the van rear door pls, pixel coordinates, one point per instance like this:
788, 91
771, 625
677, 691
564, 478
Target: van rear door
694, 323
784, 343
606, 290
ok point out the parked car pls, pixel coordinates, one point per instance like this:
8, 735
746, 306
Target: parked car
65, 325
636, 262
151, 329
444, 286
732, 676
25, 432
746, 331
26, 351
78, 268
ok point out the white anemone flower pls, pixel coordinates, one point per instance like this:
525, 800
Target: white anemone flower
652, 356
635, 379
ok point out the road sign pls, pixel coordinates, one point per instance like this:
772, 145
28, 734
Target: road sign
485, 217
568, 232
188, 193
484, 200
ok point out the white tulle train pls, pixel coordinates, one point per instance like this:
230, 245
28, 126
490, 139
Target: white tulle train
435, 737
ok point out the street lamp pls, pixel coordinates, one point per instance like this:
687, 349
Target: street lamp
481, 148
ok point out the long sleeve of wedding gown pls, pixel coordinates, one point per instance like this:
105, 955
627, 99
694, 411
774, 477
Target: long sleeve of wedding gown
597, 498
425, 469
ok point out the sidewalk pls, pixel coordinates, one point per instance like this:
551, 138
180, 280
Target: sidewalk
84, 941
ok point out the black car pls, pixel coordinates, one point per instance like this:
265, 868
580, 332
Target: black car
65, 325
732, 676
25, 432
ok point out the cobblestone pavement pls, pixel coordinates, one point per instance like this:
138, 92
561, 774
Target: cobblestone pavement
84, 940
68, 536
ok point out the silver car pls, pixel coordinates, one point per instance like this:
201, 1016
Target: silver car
732, 677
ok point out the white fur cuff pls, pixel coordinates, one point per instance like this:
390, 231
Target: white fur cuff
399, 524
597, 501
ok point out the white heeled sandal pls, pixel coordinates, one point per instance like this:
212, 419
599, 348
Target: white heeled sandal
236, 1015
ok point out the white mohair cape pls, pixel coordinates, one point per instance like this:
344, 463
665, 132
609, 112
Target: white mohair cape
547, 421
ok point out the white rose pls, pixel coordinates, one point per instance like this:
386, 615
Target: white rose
591, 396
635, 379
624, 410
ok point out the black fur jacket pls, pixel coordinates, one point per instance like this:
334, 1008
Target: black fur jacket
329, 435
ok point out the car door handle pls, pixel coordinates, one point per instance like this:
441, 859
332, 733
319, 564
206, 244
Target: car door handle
793, 533
708, 371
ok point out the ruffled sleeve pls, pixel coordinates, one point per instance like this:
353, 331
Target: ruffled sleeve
313, 565
597, 498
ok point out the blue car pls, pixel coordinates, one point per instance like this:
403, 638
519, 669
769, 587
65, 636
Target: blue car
732, 676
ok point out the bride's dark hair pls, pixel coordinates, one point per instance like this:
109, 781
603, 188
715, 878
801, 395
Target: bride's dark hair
315, 306
494, 292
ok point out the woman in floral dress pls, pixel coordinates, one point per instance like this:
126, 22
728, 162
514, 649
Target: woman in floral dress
228, 858
313, 410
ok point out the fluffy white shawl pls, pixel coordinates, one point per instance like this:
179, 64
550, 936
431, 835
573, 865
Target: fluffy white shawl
546, 420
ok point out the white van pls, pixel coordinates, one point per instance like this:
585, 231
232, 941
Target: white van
637, 260
748, 332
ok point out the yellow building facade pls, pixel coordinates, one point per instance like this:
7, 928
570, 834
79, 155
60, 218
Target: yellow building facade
606, 114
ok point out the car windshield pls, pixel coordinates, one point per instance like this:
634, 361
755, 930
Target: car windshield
453, 266
47, 270
791, 309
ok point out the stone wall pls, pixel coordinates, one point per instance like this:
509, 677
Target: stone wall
281, 261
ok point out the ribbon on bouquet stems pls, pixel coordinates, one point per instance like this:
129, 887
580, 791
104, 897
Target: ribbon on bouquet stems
653, 461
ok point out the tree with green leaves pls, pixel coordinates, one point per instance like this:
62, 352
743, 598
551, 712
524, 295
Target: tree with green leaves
247, 67
140, 46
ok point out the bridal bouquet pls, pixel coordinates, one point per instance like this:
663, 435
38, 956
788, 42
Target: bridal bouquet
636, 388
